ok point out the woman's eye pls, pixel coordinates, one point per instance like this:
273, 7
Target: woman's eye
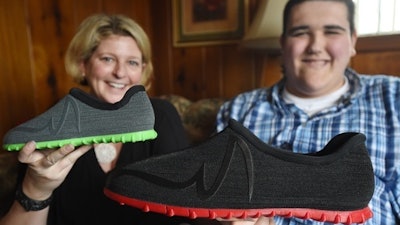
107, 59
134, 63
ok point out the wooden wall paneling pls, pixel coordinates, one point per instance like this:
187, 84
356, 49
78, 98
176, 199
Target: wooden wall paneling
161, 39
213, 72
188, 72
16, 95
82, 9
377, 63
380, 43
271, 70
197, 72
72, 13
138, 10
48, 44
238, 71
378, 55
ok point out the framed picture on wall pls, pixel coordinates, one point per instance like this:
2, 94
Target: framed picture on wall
208, 22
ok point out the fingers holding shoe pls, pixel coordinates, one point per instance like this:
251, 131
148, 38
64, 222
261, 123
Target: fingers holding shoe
64, 157
259, 221
48, 168
27, 154
265, 221
53, 156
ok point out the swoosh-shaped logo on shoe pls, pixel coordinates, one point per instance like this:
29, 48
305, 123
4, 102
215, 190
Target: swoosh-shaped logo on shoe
235, 144
55, 127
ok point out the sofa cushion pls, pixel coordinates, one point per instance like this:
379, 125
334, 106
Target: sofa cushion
198, 117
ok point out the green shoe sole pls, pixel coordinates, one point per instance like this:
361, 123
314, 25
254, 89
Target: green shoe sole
114, 138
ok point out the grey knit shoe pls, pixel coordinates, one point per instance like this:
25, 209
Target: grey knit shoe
80, 119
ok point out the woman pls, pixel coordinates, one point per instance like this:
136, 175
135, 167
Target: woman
110, 54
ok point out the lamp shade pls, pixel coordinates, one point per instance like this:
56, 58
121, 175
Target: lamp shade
266, 27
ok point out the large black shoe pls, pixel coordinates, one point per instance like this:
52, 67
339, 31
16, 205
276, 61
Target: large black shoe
235, 175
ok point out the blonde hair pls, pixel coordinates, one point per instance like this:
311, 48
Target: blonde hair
98, 27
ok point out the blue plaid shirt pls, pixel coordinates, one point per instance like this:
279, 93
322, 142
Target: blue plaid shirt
371, 107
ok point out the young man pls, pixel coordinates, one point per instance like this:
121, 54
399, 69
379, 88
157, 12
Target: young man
319, 97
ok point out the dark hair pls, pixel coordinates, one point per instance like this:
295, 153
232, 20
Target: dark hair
291, 3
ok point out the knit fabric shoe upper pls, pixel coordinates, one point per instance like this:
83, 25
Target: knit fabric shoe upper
234, 174
80, 118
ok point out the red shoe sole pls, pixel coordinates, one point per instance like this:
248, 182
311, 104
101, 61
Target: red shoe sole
346, 217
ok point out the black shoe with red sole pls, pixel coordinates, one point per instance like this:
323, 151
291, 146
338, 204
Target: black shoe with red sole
233, 174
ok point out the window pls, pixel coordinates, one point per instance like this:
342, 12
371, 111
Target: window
377, 17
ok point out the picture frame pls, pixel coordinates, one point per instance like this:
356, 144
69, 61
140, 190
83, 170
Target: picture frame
199, 22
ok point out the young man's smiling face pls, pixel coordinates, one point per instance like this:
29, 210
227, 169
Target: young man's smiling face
317, 48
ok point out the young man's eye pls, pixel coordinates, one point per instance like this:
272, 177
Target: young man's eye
298, 33
332, 32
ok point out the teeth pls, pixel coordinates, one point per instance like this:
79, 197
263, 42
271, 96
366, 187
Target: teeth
116, 85
314, 63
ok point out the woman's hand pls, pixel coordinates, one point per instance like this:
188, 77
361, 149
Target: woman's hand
47, 169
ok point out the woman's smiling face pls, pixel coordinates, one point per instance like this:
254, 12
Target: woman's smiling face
114, 67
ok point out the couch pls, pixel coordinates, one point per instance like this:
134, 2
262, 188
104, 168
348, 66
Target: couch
198, 117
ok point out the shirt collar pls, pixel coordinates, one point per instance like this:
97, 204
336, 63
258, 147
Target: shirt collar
349, 97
